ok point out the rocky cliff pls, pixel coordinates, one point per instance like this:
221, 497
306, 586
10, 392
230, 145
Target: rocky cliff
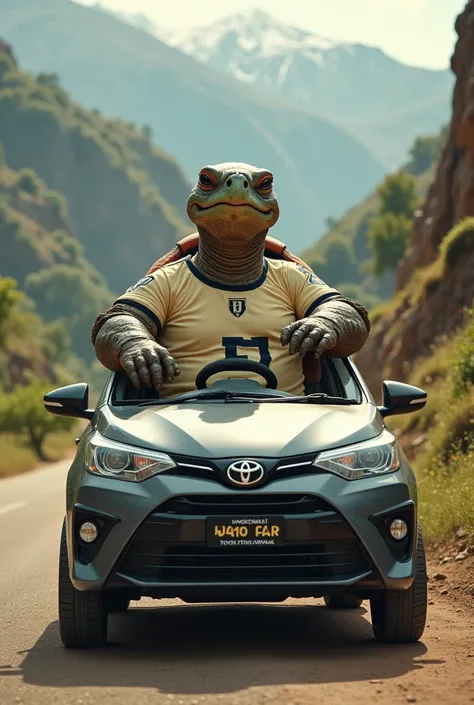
435, 281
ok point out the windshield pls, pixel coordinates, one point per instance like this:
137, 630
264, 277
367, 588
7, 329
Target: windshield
338, 382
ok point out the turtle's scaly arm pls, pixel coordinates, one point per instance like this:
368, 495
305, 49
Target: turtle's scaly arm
124, 338
338, 328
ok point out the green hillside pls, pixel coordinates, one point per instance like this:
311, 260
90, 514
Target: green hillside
38, 249
198, 113
125, 197
342, 255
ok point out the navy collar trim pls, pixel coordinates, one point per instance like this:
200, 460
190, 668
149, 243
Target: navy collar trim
227, 287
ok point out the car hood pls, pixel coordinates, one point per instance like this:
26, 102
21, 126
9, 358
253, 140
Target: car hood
220, 430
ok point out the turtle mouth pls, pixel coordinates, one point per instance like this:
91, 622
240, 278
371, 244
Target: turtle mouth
232, 205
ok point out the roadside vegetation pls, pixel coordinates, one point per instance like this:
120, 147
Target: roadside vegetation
442, 434
35, 357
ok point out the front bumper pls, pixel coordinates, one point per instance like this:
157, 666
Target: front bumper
153, 540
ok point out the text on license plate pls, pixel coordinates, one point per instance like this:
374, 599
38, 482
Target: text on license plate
245, 531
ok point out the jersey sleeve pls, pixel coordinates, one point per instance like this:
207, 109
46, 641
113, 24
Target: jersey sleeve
151, 295
307, 290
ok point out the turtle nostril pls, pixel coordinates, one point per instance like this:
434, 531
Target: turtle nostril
228, 182
246, 184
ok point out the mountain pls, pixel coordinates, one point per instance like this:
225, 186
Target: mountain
200, 115
86, 203
381, 101
126, 198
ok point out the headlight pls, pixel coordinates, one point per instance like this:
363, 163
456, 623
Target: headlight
122, 462
375, 457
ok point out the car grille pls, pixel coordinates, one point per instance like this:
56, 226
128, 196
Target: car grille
170, 547
199, 564
249, 505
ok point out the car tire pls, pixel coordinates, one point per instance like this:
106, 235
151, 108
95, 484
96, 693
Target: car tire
342, 602
400, 615
82, 615
115, 602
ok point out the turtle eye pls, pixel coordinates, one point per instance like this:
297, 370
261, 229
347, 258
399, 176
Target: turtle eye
206, 181
266, 184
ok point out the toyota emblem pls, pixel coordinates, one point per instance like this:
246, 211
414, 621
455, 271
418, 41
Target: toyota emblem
245, 472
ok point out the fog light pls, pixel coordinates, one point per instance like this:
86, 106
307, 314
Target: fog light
398, 529
88, 532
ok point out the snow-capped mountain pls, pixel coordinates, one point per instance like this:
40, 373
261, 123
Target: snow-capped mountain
255, 46
382, 102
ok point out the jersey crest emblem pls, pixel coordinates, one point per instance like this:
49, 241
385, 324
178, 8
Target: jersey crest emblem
142, 282
312, 278
237, 307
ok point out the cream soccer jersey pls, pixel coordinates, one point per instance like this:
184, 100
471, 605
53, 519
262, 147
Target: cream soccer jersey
200, 321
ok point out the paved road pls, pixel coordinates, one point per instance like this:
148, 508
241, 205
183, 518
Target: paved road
296, 654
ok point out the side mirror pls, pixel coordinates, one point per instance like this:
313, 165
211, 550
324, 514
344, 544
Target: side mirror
72, 401
399, 398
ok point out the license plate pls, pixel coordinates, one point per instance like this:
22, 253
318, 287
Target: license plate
227, 532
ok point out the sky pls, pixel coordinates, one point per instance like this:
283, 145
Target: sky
417, 32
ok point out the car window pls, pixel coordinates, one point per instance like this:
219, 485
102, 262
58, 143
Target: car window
347, 378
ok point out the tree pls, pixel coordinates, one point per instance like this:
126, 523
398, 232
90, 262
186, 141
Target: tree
330, 222
63, 291
29, 181
9, 298
70, 244
425, 152
388, 236
22, 412
3, 156
339, 262
56, 343
390, 230
398, 195
147, 133
49, 79
57, 202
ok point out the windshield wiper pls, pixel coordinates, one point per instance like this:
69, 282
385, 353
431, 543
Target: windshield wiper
218, 394
310, 399
232, 397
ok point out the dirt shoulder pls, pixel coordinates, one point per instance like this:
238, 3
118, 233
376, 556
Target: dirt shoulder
451, 572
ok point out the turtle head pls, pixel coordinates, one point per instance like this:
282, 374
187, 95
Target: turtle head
233, 200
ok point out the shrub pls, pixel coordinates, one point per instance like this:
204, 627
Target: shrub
463, 368
57, 202
49, 79
29, 181
458, 242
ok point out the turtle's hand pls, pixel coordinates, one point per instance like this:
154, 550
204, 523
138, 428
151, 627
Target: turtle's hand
148, 363
315, 335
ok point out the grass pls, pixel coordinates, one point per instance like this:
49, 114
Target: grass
16, 457
447, 500
444, 466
